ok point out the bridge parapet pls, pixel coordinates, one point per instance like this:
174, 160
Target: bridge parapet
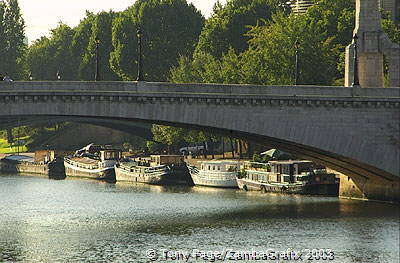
158, 88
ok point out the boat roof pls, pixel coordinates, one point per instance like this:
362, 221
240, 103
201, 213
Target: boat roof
165, 155
128, 163
24, 158
289, 161
220, 162
85, 160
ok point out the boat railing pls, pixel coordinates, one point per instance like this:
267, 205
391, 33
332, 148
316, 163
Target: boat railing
220, 175
80, 165
256, 166
24, 162
142, 169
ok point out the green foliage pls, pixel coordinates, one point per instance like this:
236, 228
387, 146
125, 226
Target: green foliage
6, 147
153, 146
390, 28
261, 159
3, 42
228, 25
257, 158
47, 56
269, 58
80, 42
167, 135
204, 68
171, 28
334, 22
123, 59
12, 46
134, 143
101, 28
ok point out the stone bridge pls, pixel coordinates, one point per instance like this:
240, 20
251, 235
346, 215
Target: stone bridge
353, 130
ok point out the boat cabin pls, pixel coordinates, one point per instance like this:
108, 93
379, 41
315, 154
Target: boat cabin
45, 156
167, 160
220, 166
289, 171
110, 155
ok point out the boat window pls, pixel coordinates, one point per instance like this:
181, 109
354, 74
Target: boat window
219, 168
202, 167
213, 167
209, 168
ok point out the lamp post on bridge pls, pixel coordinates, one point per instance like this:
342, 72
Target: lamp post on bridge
297, 46
356, 81
140, 76
97, 75
58, 76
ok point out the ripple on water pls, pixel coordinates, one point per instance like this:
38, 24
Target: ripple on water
87, 221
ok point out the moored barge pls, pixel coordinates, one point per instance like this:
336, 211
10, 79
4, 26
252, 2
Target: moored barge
216, 173
158, 169
93, 161
42, 163
290, 177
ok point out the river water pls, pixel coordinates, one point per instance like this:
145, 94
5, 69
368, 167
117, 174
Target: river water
72, 220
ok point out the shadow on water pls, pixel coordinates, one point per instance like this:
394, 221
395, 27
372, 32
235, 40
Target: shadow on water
76, 219
260, 208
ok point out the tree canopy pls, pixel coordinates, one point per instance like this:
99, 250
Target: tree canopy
47, 56
12, 41
171, 28
229, 23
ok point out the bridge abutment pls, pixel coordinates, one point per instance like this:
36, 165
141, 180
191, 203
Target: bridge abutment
375, 189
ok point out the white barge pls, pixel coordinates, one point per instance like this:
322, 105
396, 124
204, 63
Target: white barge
214, 173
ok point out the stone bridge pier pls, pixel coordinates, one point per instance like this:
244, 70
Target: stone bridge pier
372, 45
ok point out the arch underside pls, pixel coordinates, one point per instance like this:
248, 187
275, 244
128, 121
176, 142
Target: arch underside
142, 130
140, 127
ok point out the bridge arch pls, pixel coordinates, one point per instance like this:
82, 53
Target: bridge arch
353, 130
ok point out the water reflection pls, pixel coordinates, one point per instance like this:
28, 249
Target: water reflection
89, 221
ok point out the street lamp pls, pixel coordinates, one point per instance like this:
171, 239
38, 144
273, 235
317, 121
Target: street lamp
97, 75
58, 76
356, 81
297, 73
30, 77
140, 59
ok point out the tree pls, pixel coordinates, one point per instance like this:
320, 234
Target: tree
123, 59
14, 37
171, 28
3, 43
80, 42
168, 135
47, 56
102, 29
390, 28
269, 58
228, 25
39, 58
334, 21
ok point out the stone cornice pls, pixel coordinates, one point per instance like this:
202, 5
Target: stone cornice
208, 99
